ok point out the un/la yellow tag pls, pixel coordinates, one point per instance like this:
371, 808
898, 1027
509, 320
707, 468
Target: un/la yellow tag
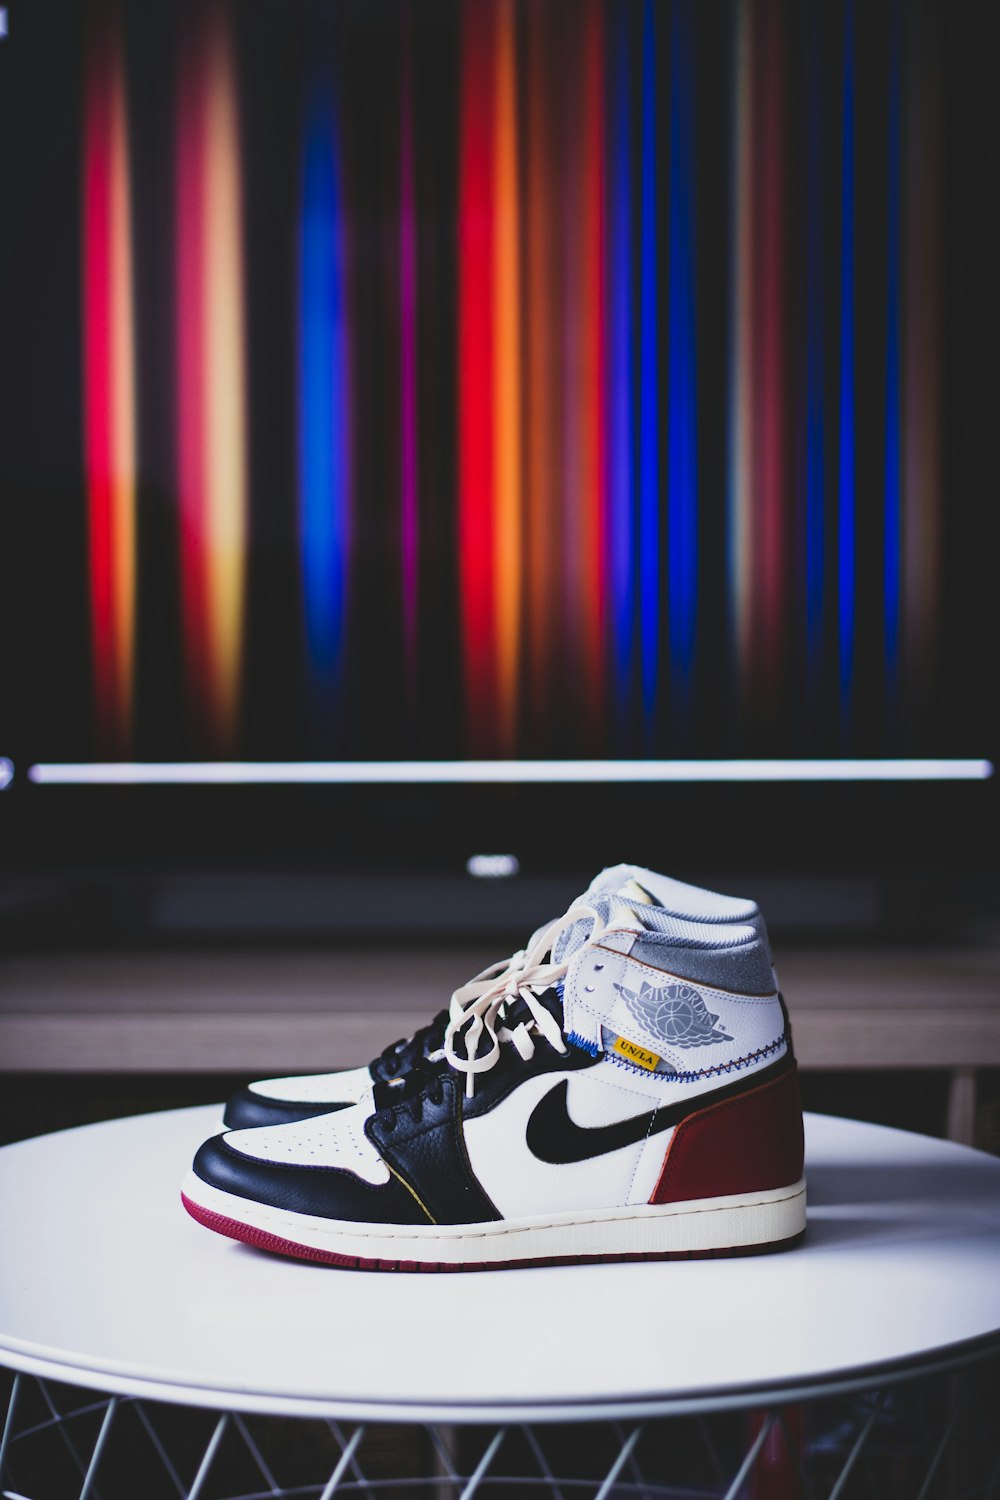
634, 1054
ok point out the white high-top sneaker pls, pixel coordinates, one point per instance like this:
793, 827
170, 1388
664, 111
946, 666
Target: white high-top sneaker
278, 1101
629, 1091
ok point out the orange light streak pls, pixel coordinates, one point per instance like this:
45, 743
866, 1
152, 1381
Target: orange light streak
211, 370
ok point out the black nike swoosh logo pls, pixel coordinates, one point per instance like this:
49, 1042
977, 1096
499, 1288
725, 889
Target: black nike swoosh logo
554, 1138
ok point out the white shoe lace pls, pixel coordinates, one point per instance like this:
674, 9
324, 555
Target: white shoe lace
525, 976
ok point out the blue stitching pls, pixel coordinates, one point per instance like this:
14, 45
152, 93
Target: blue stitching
621, 1062
734, 1066
580, 1041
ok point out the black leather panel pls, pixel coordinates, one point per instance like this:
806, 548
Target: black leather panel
401, 1056
247, 1110
422, 1139
325, 1192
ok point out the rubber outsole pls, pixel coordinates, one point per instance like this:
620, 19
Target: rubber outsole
260, 1239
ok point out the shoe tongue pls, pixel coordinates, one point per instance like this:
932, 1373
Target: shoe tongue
634, 895
574, 937
626, 901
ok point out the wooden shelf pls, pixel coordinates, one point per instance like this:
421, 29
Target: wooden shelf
275, 1012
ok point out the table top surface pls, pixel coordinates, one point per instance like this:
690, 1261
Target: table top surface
106, 1282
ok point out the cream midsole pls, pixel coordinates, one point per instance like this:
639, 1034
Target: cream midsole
699, 1224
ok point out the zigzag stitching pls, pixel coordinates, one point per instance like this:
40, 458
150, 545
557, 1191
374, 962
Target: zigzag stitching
622, 1062
582, 1043
734, 1066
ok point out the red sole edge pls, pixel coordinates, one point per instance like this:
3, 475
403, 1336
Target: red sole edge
273, 1243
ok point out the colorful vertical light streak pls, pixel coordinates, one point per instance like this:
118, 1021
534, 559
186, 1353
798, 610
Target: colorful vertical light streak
571, 541
758, 479
542, 496
211, 375
489, 358
621, 378
324, 395
649, 383
682, 415
582, 392
475, 415
109, 387
846, 500
409, 497
593, 504
507, 379
770, 467
815, 435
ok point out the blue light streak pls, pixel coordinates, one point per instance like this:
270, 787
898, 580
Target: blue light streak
682, 435
323, 393
649, 393
815, 435
846, 518
620, 370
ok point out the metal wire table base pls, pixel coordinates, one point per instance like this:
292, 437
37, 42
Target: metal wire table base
931, 1438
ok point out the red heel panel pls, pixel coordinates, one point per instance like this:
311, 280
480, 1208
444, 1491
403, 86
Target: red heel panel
746, 1144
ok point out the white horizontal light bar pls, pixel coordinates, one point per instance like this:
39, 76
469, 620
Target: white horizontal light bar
419, 772
493, 866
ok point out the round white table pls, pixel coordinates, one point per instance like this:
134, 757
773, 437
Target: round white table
107, 1285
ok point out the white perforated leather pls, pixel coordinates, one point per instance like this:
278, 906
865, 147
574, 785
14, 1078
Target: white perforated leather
336, 1140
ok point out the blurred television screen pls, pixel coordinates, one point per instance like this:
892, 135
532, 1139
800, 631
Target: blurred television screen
496, 380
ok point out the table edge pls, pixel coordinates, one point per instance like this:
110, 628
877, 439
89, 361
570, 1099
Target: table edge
852, 1379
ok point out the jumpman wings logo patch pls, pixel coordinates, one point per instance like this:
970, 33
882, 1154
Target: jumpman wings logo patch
675, 1013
